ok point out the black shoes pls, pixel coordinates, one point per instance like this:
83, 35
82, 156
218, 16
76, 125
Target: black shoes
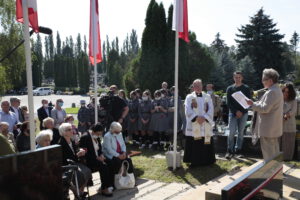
229, 155
238, 154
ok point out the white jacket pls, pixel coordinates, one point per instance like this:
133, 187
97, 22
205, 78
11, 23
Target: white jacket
203, 103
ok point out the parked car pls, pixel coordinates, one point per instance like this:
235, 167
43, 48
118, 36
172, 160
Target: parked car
23, 91
40, 91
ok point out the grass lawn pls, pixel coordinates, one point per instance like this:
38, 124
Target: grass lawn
296, 163
72, 110
146, 166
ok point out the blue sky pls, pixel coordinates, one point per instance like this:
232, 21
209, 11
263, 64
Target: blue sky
206, 17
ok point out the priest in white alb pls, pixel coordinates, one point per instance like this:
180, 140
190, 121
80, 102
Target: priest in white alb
199, 111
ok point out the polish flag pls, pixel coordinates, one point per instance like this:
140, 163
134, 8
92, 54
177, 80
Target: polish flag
94, 33
180, 19
32, 14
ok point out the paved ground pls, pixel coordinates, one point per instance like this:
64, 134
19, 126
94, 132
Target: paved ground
154, 190
68, 99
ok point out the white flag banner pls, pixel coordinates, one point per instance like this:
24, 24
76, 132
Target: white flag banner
178, 16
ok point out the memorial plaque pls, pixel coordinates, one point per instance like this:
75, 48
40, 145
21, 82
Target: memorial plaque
32, 175
263, 182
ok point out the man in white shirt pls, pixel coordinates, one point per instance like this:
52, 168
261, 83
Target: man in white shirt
15, 107
8, 116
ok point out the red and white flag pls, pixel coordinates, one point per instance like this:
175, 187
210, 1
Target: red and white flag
180, 19
32, 13
94, 33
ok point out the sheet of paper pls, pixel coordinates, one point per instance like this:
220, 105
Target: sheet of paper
241, 99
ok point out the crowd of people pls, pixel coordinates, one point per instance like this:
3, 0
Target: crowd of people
148, 120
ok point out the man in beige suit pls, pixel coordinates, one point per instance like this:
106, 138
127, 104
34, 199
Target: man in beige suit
270, 114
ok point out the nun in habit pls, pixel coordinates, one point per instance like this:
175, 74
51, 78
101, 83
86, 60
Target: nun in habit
199, 147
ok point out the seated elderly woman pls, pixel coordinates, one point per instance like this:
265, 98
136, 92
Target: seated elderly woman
76, 135
95, 159
44, 138
71, 152
114, 149
48, 123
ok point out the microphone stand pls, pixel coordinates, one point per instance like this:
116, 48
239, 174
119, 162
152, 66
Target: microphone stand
15, 48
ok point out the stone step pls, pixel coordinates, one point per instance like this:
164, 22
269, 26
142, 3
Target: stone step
291, 182
213, 188
169, 191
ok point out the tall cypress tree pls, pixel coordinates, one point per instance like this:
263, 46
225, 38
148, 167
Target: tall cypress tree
261, 41
134, 43
153, 48
294, 45
37, 62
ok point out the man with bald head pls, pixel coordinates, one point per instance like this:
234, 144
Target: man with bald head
199, 111
8, 116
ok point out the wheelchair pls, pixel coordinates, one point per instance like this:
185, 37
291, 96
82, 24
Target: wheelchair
70, 181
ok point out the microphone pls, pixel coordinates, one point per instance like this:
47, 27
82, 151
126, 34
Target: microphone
42, 29
45, 30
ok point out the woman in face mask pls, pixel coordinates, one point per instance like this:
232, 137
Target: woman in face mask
58, 113
133, 104
95, 159
144, 111
159, 120
76, 135
114, 149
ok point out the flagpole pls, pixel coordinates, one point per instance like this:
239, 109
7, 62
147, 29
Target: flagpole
95, 43
175, 100
28, 73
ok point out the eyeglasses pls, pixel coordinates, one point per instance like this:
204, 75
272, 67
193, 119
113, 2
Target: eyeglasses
265, 79
69, 129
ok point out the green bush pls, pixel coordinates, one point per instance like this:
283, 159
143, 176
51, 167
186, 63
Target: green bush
297, 82
220, 93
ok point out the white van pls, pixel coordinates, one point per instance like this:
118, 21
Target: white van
40, 91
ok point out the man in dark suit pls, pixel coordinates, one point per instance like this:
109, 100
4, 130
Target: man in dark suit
44, 112
95, 160
15, 107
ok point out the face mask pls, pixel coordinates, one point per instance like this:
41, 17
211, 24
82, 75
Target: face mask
209, 92
157, 98
95, 136
60, 104
145, 98
45, 105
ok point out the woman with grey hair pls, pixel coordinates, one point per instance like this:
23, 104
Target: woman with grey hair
269, 110
44, 138
114, 149
71, 152
48, 123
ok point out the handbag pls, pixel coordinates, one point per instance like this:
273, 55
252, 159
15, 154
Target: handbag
169, 158
124, 180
